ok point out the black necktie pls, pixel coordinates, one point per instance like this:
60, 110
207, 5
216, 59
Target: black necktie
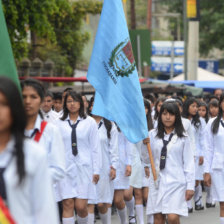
34, 132
222, 123
164, 152
73, 138
2, 185
100, 124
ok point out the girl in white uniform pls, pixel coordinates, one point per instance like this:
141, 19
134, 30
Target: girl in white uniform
174, 163
25, 182
190, 111
39, 130
108, 136
158, 105
214, 157
81, 141
121, 182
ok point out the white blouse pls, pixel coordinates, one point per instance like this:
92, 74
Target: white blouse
32, 201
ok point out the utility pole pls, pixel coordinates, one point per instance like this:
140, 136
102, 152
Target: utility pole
185, 39
133, 18
149, 15
193, 39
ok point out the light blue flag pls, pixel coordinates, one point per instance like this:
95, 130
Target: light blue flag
112, 72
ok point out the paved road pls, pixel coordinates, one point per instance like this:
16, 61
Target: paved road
207, 216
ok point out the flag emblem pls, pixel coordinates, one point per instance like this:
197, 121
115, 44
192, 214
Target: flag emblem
122, 61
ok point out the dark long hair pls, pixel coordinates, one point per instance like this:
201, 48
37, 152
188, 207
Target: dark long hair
172, 108
160, 99
216, 122
39, 88
196, 118
77, 97
148, 115
203, 104
107, 123
13, 96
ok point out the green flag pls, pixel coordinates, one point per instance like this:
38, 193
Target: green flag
7, 63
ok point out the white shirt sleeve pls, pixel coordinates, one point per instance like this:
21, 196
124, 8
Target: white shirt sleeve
209, 147
202, 137
113, 147
94, 141
189, 165
43, 204
128, 152
56, 155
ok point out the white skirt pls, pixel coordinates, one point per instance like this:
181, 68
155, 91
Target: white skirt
104, 189
76, 184
217, 185
199, 170
121, 182
136, 177
145, 180
166, 199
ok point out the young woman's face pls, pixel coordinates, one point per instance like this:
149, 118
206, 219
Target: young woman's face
193, 109
213, 111
73, 106
159, 106
32, 101
202, 111
5, 114
168, 119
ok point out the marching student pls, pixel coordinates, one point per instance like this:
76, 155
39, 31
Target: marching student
25, 182
203, 111
145, 183
124, 170
46, 134
190, 111
81, 140
174, 163
214, 157
58, 105
46, 108
108, 136
158, 105
213, 108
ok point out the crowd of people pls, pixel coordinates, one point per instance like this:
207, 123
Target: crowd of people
59, 163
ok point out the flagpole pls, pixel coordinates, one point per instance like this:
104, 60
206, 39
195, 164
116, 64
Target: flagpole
152, 163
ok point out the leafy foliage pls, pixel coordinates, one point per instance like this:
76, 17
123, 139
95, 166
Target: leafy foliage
57, 24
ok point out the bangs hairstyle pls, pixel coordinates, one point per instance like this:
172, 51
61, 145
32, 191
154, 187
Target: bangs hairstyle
216, 122
18, 115
196, 118
36, 85
172, 108
203, 104
77, 97
160, 99
148, 116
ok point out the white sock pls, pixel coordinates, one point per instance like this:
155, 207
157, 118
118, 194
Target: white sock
140, 214
109, 215
209, 195
189, 204
122, 215
91, 218
150, 219
131, 206
198, 194
82, 220
221, 220
104, 217
70, 220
